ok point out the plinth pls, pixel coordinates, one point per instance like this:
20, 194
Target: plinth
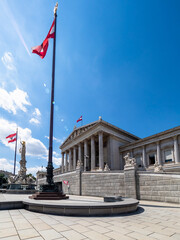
49, 192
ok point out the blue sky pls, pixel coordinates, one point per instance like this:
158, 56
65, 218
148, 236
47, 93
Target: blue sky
116, 59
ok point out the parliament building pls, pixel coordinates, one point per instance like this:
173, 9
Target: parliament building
100, 159
100, 144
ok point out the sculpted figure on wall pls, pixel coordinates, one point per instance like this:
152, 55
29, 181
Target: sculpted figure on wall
106, 168
129, 161
158, 167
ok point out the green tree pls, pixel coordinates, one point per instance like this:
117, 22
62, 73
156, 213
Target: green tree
30, 175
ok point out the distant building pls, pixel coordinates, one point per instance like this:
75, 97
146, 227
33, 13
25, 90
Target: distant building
6, 173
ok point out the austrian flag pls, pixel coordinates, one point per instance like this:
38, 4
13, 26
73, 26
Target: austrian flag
80, 119
42, 49
66, 182
12, 138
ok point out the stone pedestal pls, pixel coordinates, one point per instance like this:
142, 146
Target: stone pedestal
130, 177
130, 182
48, 196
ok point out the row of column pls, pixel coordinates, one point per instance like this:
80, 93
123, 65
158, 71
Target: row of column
159, 160
72, 155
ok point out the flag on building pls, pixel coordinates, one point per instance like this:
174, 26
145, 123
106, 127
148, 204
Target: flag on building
80, 119
12, 138
66, 182
42, 49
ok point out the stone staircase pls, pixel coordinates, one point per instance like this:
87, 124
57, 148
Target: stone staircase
48, 196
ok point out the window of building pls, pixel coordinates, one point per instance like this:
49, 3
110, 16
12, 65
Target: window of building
152, 159
168, 156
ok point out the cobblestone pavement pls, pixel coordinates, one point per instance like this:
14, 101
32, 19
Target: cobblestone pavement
153, 220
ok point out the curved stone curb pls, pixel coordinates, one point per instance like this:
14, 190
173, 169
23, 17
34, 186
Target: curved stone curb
86, 209
9, 205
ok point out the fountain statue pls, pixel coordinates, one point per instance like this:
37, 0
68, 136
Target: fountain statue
21, 181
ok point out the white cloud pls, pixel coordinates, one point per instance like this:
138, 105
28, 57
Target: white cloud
8, 61
7, 165
13, 101
34, 146
56, 160
34, 120
34, 170
36, 112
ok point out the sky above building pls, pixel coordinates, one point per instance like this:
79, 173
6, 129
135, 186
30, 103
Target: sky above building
116, 59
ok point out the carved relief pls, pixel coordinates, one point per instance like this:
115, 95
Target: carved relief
77, 132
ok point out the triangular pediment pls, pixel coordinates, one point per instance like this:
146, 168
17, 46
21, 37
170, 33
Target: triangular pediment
78, 131
92, 128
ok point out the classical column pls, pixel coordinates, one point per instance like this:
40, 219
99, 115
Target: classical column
131, 153
79, 153
66, 161
121, 161
62, 166
70, 160
86, 157
158, 153
176, 150
74, 158
101, 158
92, 153
144, 157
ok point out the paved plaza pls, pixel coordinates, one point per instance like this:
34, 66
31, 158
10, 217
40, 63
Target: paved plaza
153, 220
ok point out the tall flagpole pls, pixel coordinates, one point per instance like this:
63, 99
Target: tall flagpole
49, 175
15, 152
50, 191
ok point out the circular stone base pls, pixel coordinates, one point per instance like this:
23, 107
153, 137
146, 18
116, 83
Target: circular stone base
82, 207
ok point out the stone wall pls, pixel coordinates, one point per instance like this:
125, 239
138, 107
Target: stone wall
158, 187
74, 182
103, 184
130, 182
141, 185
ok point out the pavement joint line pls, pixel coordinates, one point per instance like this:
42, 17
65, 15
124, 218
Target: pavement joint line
14, 224
30, 224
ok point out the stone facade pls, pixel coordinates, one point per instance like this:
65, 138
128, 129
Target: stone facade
99, 159
103, 184
128, 183
94, 145
161, 150
158, 187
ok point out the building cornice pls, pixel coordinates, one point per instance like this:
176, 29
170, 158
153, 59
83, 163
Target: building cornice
152, 139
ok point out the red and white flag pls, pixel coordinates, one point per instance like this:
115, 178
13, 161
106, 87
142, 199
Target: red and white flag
12, 138
42, 49
66, 182
80, 119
